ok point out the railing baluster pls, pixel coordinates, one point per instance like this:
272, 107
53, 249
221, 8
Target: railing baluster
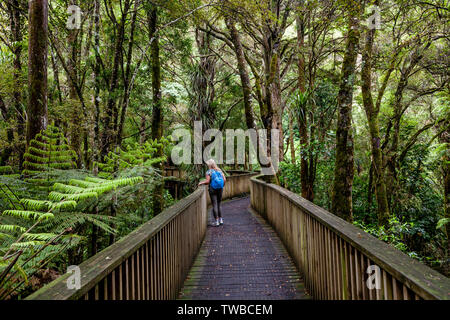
158, 279
138, 275
153, 269
352, 271
387, 281
406, 295
338, 266
397, 293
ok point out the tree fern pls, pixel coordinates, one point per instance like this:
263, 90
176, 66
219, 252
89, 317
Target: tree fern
42, 226
133, 155
48, 150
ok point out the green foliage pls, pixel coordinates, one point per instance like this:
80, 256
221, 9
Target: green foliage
6, 170
290, 177
394, 234
442, 223
48, 150
134, 155
39, 228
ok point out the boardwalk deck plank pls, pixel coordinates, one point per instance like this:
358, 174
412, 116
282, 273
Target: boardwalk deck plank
243, 259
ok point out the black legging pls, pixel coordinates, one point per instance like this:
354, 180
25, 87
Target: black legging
216, 199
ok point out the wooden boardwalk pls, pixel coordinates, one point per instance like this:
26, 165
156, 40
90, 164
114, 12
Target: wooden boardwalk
243, 259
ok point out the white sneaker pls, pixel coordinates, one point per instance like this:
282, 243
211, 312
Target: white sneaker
221, 221
217, 223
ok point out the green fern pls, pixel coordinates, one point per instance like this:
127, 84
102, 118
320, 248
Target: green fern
6, 170
49, 150
50, 220
134, 155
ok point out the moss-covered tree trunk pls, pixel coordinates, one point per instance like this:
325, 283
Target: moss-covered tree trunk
97, 85
37, 118
75, 126
372, 113
344, 166
271, 113
157, 116
8, 149
16, 25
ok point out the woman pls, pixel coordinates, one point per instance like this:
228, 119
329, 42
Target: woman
216, 181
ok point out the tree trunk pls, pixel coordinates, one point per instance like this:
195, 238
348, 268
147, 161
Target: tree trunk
243, 73
37, 68
16, 39
127, 79
344, 166
75, 128
111, 115
7, 151
372, 113
307, 185
56, 76
97, 64
157, 116
391, 162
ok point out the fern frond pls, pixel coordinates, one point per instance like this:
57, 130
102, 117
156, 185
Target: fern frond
82, 183
27, 244
64, 205
28, 215
67, 188
5, 235
6, 169
39, 236
58, 196
11, 228
38, 205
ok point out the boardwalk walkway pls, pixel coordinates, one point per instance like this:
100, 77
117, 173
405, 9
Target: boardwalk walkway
243, 259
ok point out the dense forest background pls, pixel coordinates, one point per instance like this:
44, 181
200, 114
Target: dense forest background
91, 91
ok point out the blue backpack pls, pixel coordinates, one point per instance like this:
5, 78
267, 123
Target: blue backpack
217, 180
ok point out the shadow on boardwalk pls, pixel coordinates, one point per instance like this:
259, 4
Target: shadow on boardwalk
242, 260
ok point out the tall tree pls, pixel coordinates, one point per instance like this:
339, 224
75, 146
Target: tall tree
344, 166
157, 116
372, 113
97, 85
243, 72
306, 178
75, 124
16, 25
37, 115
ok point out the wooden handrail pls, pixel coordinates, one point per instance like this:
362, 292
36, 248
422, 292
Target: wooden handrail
152, 262
334, 255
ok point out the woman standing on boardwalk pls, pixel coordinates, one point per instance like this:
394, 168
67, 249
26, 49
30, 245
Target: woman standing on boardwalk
216, 181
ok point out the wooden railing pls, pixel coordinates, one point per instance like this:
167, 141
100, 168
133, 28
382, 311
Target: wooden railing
237, 184
152, 262
334, 256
